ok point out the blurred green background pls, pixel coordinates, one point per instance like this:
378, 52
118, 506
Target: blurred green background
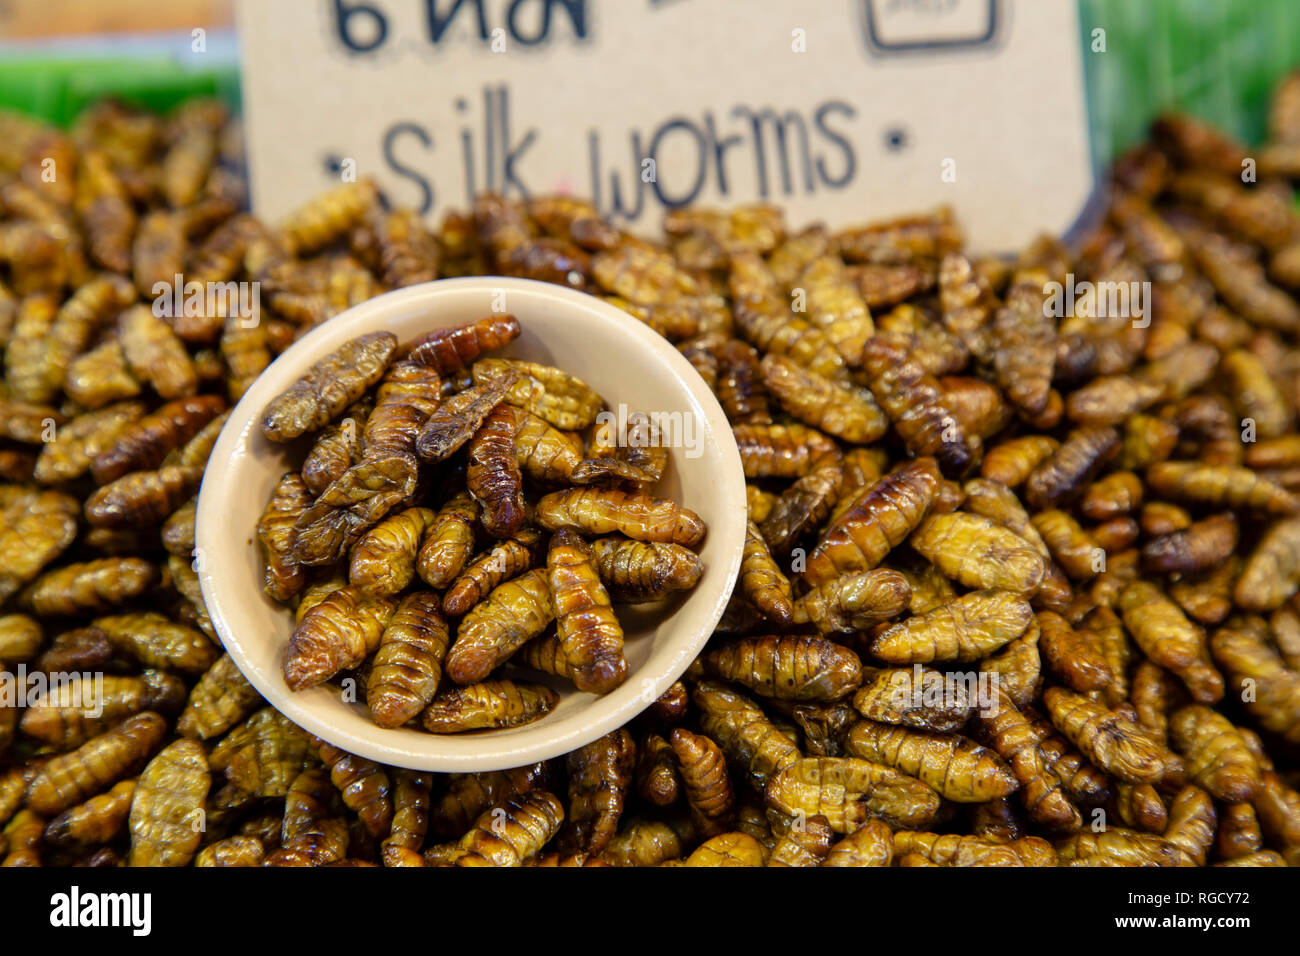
1218, 59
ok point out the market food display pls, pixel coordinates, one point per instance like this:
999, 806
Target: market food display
1019, 586
528, 483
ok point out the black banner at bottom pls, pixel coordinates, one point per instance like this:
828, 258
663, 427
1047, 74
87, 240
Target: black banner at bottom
335, 905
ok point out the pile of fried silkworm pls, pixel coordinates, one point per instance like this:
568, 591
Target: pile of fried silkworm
1019, 586
345, 535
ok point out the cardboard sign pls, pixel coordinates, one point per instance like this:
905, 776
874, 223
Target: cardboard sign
839, 110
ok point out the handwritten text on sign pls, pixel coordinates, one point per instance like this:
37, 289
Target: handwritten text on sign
840, 110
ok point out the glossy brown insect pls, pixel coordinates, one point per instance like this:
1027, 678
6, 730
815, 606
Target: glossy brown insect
452, 349
639, 516
494, 629
144, 443
880, 519
326, 389
489, 704
96, 765
167, 811
589, 633
337, 634
407, 666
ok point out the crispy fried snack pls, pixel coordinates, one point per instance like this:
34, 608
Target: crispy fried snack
336, 634
37, 529
788, 668
96, 765
406, 398
167, 811
854, 602
1269, 690
143, 498
493, 475
363, 784
745, 734
803, 506
448, 542
22, 836
512, 833
156, 641
879, 520
1106, 738
496, 627
145, 442
914, 403
221, 699
284, 576
155, 354
1167, 638
1203, 545
459, 418
232, 851
1070, 655
915, 697
979, 553
1272, 572
407, 667
847, 412
383, 559
590, 637
805, 845
764, 586
1066, 472
726, 849
545, 454
657, 780
99, 820
451, 349
1218, 759
90, 587
73, 711
1219, 486
600, 776
781, 451
488, 704
507, 559
639, 516
1007, 731
468, 794
410, 815
326, 389
955, 850
329, 215
848, 791
82, 440
353, 503
20, 638
967, 629
957, 768
1117, 846
547, 392
337, 448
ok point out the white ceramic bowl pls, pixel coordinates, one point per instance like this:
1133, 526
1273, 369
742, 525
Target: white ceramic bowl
611, 351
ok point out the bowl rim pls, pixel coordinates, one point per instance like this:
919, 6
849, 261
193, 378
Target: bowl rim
218, 499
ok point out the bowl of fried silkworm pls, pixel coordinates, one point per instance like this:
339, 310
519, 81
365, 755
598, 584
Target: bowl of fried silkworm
1020, 584
451, 537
